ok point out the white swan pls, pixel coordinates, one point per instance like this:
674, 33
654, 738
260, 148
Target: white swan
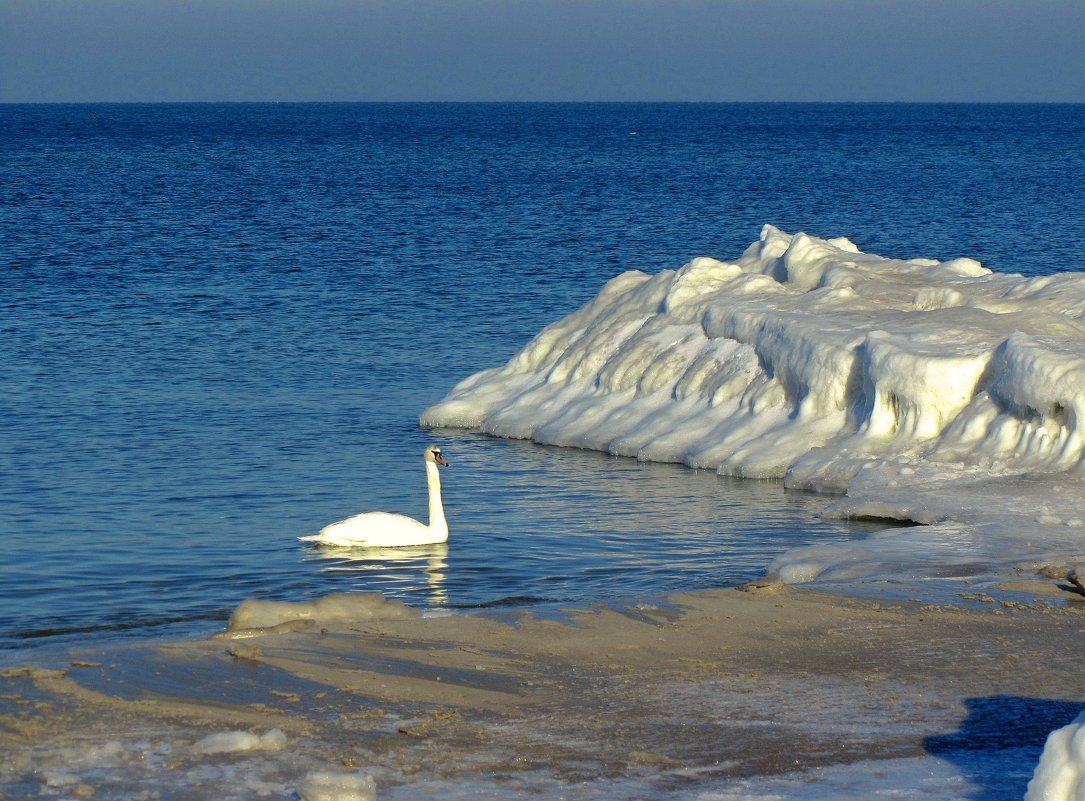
384, 530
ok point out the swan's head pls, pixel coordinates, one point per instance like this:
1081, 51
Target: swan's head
433, 454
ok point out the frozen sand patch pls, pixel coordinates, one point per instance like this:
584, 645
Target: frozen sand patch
341, 609
916, 779
762, 691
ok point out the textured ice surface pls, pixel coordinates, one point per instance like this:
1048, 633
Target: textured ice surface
229, 742
338, 787
925, 390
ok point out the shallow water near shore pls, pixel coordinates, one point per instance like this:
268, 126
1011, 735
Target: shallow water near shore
531, 525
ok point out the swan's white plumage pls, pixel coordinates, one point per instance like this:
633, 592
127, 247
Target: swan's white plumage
385, 530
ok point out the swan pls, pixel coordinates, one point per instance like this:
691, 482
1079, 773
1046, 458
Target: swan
384, 530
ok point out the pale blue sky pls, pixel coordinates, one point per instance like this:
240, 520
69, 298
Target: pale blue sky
697, 50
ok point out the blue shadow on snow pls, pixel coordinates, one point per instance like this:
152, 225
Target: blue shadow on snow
998, 745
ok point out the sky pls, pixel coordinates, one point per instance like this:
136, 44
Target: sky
542, 50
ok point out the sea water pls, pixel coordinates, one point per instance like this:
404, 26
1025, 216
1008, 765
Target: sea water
220, 323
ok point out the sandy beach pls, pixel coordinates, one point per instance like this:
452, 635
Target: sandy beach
718, 689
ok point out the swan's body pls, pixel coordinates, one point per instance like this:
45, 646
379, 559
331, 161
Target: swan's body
385, 530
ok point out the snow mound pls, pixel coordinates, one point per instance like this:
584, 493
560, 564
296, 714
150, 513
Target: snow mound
806, 359
921, 389
1060, 775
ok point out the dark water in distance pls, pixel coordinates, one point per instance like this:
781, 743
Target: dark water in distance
219, 323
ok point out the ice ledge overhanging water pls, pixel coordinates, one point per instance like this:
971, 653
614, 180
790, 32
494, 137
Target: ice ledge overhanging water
811, 361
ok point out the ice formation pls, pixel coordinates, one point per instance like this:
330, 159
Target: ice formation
338, 787
895, 381
333, 609
1060, 776
231, 742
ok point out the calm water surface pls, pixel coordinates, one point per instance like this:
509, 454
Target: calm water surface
220, 322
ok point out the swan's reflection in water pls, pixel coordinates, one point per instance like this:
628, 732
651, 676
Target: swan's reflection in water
415, 574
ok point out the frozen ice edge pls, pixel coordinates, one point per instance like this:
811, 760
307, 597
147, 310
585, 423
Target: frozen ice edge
239, 764
919, 390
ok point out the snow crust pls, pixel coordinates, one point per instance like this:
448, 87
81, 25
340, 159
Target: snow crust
1060, 775
894, 381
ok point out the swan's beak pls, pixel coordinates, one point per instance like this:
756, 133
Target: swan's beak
440, 459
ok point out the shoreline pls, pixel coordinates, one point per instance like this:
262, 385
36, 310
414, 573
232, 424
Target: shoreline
717, 687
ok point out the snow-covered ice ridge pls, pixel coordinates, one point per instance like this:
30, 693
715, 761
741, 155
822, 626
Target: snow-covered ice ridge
922, 389
805, 359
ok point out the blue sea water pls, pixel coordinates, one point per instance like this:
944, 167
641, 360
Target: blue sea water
220, 322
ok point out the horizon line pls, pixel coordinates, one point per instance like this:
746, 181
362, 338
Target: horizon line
547, 102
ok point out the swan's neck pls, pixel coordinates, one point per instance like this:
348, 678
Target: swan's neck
436, 508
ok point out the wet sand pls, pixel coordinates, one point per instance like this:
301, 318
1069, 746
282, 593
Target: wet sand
716, 685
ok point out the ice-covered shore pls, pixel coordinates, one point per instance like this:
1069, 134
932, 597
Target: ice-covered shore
938, 392
764, 694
